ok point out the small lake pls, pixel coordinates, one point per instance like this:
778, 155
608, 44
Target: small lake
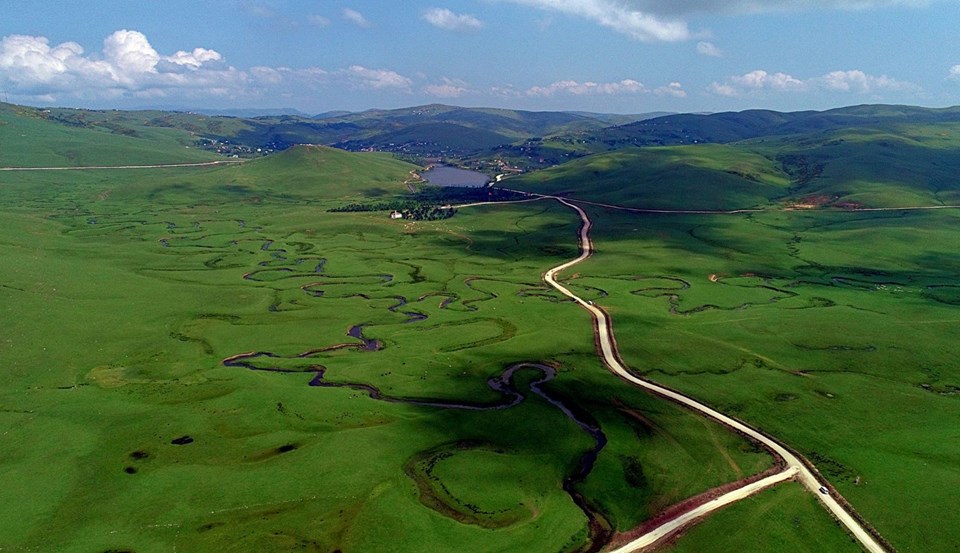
451, 176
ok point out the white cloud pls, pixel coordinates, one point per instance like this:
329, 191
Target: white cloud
317, 20
663, 20
854, 81
257, 9
128, 64
449, 88
759, 79
32, 70
723, 90
955, 72
673, 89
446, 19
355, 17
130, 52
626, 86
709, 49
363, 77
620, 16
194, 60
684, 7
858, 81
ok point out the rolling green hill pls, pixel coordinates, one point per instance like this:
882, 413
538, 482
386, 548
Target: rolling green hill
892, 163
302, 174
32, 137
735, 126
674, 177
424, 130
323, 172
427, 138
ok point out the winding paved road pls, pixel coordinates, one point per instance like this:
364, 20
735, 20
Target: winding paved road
794, 465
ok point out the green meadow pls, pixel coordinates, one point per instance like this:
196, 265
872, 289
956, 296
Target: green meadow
206, 359
832, 331
209, 359
30, 138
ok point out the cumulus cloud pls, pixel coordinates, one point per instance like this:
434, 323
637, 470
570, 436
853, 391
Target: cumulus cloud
858, 81
30, 66
623, 17
445, 19
128, 66
709, 49
449, 88
363, 77
626, 86
673, 89
195, 59
955, 72
854, 81
355, 17
686, 7
663, 20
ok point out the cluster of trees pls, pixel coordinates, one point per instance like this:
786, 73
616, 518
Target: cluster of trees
432, 203
414, 210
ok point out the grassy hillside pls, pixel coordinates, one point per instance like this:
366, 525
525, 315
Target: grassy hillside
41, 138
322, 172
302, 174
728, 127
682, 177
904, 164
513, 123
431, 138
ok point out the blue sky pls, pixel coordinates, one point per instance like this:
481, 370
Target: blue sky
622, 56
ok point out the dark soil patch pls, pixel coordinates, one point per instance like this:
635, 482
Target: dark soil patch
182, 440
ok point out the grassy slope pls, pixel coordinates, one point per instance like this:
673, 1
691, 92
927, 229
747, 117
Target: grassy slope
684, 177
299, 174
449, 135
904, 165
28, 138
124, 291
321, 172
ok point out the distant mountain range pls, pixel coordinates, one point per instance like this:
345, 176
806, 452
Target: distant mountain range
734, 126
481, 137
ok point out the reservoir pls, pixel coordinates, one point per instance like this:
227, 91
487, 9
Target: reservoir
451, 176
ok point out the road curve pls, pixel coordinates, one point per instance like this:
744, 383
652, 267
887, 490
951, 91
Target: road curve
794, 465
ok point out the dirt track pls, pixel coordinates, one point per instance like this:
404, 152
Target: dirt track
795, 467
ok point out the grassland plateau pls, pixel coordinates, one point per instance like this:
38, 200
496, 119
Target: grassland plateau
218, 358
